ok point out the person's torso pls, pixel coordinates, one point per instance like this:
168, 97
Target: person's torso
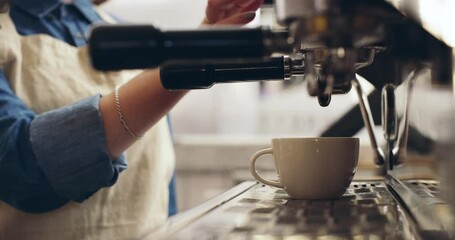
47, 74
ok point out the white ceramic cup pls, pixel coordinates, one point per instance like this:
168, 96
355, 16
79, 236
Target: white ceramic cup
311, 168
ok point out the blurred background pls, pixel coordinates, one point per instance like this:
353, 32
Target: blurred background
217, 130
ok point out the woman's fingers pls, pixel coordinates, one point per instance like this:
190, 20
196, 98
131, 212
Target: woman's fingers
239, 19
227, 10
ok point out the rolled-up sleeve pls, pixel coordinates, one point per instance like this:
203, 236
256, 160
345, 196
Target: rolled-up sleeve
49, 159
70, 147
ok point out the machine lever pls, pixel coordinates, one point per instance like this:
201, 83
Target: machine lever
143, 46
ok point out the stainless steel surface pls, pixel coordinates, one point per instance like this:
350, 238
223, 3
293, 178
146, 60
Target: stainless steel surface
419, 197
181, 220
367, 211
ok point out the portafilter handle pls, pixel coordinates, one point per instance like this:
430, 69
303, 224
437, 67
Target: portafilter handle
116, 47
203, 75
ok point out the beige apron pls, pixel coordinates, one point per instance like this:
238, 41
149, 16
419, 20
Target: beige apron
47, 74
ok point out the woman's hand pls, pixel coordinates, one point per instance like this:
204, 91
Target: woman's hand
231, 11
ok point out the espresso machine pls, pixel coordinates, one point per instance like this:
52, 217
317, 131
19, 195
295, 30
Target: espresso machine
333, 45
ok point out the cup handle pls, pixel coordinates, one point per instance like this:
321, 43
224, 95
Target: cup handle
255, 173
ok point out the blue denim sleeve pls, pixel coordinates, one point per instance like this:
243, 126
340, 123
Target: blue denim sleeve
48, 159
70, 147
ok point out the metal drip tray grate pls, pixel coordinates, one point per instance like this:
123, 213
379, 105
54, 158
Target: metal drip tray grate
425, 189
366, 211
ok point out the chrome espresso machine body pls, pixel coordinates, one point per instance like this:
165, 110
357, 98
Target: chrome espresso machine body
335, 45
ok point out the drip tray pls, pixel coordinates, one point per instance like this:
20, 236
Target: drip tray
366, 211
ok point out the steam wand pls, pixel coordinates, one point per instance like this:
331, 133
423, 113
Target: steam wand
368, 120
399, 150
396, 138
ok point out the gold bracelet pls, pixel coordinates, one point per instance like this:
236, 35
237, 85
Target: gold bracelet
121, 117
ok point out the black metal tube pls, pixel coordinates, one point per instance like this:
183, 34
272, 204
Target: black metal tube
179, 76
143, 46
